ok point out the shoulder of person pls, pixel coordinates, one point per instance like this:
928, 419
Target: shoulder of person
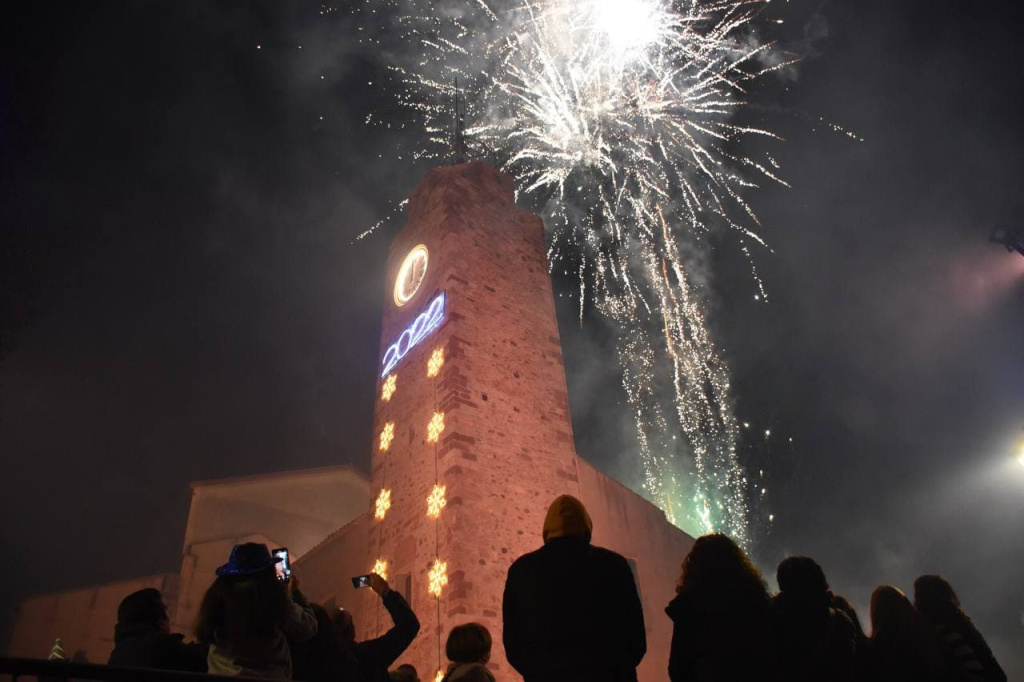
470, 672
527, 560
611, 557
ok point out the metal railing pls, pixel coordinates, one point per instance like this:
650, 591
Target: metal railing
25, 669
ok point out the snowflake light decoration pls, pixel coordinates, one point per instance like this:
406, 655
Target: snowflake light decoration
380, 567
386, 436
387, 389
435, 362
438, 577
436, 501
382, 504
435, 427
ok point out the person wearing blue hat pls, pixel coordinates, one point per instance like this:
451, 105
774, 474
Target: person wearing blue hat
248, 617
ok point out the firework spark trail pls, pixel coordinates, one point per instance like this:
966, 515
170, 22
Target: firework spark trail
616, 118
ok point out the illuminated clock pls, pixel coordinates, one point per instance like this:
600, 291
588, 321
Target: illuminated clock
410, 275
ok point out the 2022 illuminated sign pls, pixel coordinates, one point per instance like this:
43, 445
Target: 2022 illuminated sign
424, 323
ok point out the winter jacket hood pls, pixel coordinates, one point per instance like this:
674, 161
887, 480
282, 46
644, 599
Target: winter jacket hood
567, 518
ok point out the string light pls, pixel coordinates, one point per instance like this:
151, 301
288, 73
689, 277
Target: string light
382, 504
388, 388
436, 501
380, 567
435, 427
438, 577
435, 362
386, 436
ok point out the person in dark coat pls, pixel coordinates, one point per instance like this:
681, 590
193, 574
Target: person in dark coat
143, 637
903, 647
374, 656
815, 642
722, 617
936, 601
570, 609
327, 657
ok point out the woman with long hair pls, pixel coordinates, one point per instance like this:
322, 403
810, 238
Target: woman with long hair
902, 646
936, 601
248, 616
721, 616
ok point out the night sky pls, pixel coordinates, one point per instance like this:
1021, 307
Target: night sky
181, 297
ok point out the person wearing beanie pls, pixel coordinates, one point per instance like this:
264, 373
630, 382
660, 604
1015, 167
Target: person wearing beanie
571, 611
143, 637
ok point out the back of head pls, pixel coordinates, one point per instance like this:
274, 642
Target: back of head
717, 566
404, 673
801, 581
145, 607
801, 575
468, 643
567, 518
892, 614
345, 623
935, 600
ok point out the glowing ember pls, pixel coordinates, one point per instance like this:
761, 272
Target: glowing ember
386, 436
436, 501
382, 504
435, 362
435, 427
380, 567
438, 576
388, 388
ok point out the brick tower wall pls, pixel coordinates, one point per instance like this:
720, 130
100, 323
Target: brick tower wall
507, 448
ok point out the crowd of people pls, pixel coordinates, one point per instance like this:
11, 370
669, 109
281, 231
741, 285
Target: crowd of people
571, 613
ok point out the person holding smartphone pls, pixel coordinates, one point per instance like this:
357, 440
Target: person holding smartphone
248, 617
374, 656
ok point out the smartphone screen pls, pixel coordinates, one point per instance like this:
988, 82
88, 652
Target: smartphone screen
283, 567
361, 581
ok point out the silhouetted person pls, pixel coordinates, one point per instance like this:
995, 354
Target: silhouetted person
327, 656
404, 673
468, 649
570, 609
722, 617
374, 656
902, 647
248, 616
936, 601
143, 638
843, 605
816, 643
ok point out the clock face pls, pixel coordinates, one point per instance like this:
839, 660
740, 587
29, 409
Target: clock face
410, 275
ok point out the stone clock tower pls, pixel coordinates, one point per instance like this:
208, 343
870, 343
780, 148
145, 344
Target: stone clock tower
471, 406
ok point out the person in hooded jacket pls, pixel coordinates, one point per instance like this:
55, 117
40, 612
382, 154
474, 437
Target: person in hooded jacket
143, 637
721, 616
570, 610
248, 617
816, 642
936, 601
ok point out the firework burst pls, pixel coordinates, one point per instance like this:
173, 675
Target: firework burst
617, 119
